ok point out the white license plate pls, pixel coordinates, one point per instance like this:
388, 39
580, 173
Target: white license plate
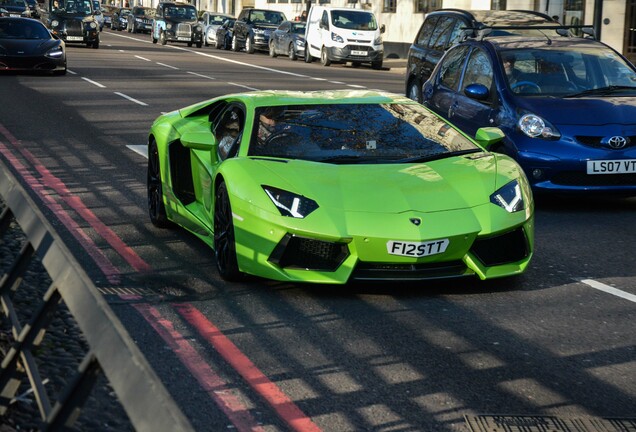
74, 38
358, 53
183, 38
621, 166
416, 249
14, 15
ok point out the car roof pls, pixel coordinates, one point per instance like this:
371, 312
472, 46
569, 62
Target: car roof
510, 42
498, 17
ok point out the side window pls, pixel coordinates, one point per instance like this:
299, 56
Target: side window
441, 34
324, 21
228, 131
451, 67
478, 70
456, 33
424, 35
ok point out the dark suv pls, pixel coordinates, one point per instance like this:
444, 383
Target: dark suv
253, 28
445, 27
177, 22
140, 19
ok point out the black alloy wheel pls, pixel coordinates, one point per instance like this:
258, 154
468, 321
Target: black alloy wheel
224, 240
156, 207
292, 52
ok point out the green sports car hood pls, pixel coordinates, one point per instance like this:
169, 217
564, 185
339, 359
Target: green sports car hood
453, 183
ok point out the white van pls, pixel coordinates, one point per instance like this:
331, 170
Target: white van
343, 35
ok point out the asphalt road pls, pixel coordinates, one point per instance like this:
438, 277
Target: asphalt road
560, 340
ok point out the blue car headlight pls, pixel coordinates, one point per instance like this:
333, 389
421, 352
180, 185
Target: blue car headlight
336, 37
509, 197
536, 127
289, 203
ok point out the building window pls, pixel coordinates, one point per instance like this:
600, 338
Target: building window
498, 5
296, 1
425, 6
389, 6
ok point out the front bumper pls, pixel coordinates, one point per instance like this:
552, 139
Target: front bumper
486, 242
353, 53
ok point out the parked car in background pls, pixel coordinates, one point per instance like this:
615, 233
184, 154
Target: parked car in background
334, 186
288, 39
567, 106
97, 13
344, 35
33, 6
253, 28
27, 45
211, 21
224, 34
140, 20
108, 12
176, 22
73, 21
445, 27
120, 19
16, 8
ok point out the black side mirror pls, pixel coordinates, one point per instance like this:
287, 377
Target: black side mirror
382, 28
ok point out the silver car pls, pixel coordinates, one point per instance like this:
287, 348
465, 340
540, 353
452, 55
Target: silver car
211, 21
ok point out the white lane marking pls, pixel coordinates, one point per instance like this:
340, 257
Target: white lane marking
356, 86
608, 289
139, 149
71, 72
121, 50
243, 86
94, 82
318, 79
202, 76
131, 99
336, 82
168, 66
143, 58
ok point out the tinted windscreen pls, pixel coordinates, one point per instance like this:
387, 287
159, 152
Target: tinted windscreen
352, 20
354, 133
19, 29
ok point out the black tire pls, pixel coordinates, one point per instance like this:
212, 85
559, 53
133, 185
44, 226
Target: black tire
227, 45
292, 52
156, 207
414, 91
162, 38
224, 240
235, 46
272, 51
308, 57
189, 44
96, 44
324, 57
199, 44
376, 65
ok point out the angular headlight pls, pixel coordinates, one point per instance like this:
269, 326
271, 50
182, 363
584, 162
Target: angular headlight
289, 203
258, 31
536, 127
55, 52
336, 37
378, 41
509, 197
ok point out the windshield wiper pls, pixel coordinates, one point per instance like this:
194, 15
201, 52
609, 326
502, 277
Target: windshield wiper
601, 91
428, 158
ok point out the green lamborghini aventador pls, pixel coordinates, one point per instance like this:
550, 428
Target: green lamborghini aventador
334, 186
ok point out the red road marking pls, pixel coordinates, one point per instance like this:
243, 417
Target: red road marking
284, 407
214, 385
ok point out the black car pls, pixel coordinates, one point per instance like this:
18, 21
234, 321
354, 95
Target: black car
177, 22
119, 19
443, 28
140, 19
224, 34
288, 39
73, 21
27, 45
16, 8
253, 28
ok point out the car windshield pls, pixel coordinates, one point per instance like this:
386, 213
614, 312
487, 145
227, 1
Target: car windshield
355, 133
267, 17
298, 28
566, 71
73, 7
23, 29
354, 20
217, 19
181, 12
143, 12
13, 3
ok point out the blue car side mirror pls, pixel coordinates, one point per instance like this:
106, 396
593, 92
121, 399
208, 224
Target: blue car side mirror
477, 91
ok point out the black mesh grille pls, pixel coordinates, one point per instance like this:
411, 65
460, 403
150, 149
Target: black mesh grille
571, 178
595, 141
506, 248
310, 254
375, 271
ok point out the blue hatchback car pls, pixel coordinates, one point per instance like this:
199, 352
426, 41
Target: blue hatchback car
566, 104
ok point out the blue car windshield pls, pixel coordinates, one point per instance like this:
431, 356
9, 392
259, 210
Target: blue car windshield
565, 71
355, 133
